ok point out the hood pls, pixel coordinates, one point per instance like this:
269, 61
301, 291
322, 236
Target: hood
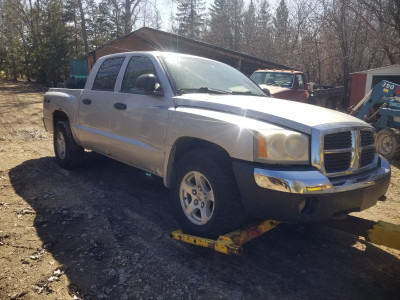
274, 89
295, 115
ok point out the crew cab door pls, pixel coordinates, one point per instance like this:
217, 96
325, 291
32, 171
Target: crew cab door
95, 104
138, 121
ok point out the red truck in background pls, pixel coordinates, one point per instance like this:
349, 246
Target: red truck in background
291, 85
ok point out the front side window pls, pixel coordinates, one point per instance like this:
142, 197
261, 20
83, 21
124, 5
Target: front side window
300, 82
137, 66
107, 74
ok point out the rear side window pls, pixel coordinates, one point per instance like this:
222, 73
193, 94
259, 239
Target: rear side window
107, 74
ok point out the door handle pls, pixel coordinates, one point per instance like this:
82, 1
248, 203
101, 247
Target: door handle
87, 101
120, 106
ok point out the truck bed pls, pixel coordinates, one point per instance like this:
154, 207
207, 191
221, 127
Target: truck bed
74, 92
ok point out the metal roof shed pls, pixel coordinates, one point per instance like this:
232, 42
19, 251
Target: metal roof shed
362, 82
148, 39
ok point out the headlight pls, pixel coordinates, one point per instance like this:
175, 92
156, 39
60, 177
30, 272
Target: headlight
282, 146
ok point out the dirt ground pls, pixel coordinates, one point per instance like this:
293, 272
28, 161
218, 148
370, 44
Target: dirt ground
102, 232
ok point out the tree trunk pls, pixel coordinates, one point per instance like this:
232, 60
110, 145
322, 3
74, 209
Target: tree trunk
128, 17
14, 67
83, 24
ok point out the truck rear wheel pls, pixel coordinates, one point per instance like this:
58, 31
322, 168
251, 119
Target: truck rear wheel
69, 154
388, 143
205, 195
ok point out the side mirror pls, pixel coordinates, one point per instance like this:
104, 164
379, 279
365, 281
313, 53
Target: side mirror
266, 92
146, 83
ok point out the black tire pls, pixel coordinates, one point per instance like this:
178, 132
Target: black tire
222, 208
69, 154
388, 143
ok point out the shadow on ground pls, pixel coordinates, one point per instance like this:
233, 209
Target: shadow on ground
109, 225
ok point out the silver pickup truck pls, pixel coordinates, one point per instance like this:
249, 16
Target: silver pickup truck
225, 150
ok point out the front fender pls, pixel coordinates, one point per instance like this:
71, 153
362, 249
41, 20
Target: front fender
233, 133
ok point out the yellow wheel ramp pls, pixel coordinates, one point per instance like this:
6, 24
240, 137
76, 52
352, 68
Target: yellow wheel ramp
230, 243
380, 233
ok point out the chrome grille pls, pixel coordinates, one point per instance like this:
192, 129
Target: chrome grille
347, 152
367, 138
367, 156
337, 140
337, 162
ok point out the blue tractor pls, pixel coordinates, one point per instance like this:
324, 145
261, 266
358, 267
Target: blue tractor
381, 108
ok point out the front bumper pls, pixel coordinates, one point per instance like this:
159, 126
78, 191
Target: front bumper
308, 195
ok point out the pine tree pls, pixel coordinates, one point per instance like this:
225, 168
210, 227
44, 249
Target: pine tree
71, 15
14, 45
102, 27
236, 23
281, 20
173, 28
219, 34
113, 12
54, 55
190, 17
250, 29
281, 30
264, 41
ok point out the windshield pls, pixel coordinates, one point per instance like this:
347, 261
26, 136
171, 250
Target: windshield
191, 74
273, 79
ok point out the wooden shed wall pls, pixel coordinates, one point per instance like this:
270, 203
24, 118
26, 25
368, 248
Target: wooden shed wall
357, 92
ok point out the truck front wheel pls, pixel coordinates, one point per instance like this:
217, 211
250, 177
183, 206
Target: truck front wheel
205, 195
69, 154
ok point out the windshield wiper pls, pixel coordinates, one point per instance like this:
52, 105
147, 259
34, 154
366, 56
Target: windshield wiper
250, 93
214, 91
202, 90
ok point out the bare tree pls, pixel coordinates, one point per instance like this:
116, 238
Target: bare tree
130, 7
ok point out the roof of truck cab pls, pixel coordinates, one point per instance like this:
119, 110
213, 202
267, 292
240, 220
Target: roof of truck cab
279, 71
